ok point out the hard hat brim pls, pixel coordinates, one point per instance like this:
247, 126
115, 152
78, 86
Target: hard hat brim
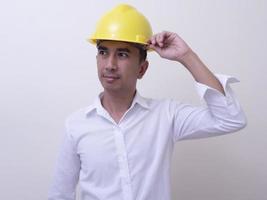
94, 42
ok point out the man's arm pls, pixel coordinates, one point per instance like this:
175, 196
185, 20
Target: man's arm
170, 46
66, 173
223, 113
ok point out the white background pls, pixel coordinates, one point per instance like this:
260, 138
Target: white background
48, 70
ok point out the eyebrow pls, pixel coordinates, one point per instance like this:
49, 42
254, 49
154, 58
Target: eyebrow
124, 50
100, 47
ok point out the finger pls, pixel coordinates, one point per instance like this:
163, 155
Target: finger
163, 38
168, 36
156, 48
167, 33
160, 39
149, 41
152, 40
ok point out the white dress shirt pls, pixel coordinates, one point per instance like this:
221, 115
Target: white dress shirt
130, 160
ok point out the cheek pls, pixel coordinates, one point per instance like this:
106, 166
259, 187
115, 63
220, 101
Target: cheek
98, 72
132, 74
98, 62
100, 65
135, 70
99, 69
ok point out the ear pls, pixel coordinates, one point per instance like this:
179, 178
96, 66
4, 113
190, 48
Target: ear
143, 68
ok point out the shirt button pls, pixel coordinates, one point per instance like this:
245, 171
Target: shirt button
127, 182
121, 158
228, 101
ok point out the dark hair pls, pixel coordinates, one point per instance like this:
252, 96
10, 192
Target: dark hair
142, 49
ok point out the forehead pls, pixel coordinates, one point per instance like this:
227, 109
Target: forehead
116, 45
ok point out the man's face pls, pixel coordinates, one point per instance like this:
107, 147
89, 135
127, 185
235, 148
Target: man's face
119, 66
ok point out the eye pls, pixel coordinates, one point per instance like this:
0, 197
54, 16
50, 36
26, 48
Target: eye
102, 52
123, 55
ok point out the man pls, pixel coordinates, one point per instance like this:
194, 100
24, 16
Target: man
120, 147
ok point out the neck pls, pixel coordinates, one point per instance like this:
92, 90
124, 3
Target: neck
117, 103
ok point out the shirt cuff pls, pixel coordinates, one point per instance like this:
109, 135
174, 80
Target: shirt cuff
206, 91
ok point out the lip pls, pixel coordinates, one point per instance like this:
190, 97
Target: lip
114, 77
110, 78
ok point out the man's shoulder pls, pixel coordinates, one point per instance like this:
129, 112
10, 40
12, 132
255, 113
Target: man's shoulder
162, 103
79, 114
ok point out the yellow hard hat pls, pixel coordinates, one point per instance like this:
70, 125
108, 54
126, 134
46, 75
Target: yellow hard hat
123, 23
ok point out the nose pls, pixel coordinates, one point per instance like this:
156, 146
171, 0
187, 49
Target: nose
112, 63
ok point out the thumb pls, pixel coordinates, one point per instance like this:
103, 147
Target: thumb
156, 48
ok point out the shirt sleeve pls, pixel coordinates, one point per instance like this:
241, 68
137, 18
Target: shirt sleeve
221, 115
66, 172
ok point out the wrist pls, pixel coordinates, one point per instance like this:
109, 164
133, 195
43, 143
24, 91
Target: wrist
190, 59
187, 57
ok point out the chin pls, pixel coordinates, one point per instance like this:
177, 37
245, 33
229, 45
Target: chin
111, 88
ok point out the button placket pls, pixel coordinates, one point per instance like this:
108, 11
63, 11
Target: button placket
123, 163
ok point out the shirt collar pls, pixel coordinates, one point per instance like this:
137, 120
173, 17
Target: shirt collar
97, 106
138, 99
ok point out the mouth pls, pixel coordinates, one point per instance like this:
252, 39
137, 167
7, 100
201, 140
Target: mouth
111, 78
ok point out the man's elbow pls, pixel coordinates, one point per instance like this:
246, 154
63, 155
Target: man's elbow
234, 124
240, 124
